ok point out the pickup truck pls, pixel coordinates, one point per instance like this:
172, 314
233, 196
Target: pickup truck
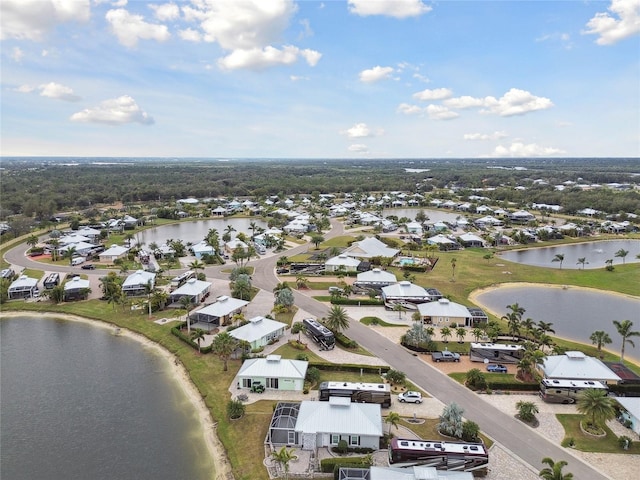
445, 356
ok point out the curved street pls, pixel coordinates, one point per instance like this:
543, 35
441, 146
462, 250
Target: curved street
514, 436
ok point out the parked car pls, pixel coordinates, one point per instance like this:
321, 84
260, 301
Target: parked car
337, 290
410, 397
282, 270
494, 367
88, 266
445, 356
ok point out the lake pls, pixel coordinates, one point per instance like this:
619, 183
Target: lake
595, 253
81, 403
575, 313
195, 231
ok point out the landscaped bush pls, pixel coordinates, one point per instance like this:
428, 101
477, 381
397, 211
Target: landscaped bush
342, 447
335, 300
349, 367
298, 345
476, 380
396, 377
345, 341
330, 465
625, 442
470, 431
235, 409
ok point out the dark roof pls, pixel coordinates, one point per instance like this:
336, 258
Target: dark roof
626, 375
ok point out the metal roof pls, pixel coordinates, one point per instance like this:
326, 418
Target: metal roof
347, 419
273, 367
578, 366
443, 308
257, 328
223, 307
192, 287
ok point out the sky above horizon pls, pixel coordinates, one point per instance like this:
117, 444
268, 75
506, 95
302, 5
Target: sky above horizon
320, 79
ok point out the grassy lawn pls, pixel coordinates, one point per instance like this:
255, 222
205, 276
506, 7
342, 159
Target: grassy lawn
588, 443
287, 351
346, 376
429, 431
376, 321
340, 242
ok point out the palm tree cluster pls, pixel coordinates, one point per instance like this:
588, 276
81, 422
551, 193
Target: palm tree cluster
530, 330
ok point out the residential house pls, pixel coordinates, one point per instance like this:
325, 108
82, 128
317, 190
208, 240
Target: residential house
371, 247
471, 240
114, 252
195, 290
375, 278
443, 242
259, 332
415, 472
23, 287
273, 373
220, 312
342, 263
232, 245
137, 283
574, 365
201, 248
405, 291
76, 289
630, 411
445, 312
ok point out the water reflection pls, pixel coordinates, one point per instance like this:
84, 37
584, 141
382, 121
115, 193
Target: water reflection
575, 313
595, 253
195, 231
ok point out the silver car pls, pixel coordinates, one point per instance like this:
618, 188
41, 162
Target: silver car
410, 397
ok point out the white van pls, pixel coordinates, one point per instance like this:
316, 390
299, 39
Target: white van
77, 261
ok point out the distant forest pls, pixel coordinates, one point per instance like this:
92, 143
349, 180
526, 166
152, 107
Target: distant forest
38, 187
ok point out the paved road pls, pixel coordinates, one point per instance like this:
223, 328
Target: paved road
510, 433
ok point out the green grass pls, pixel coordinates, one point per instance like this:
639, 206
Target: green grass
376, 321
429, 431
340, 242
287, 351
506, 378
587, 443
329, 376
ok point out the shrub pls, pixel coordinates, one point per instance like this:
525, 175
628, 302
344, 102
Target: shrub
470, 431
302, 356
298, 345
624, 442
342, 447
235, 409
396, 377
313, 375
475, 380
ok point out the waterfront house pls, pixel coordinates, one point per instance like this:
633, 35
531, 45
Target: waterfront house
273, 373
445, 312
136, 283
405, 291
76, 289
23, 287
375, 278
195, 290
113, 253
371, 247
259, 332
574, 365
220, 312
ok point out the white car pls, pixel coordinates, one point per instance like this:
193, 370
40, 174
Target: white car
410, 397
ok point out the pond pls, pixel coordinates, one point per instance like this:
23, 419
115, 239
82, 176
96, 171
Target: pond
594, 253
194, 232
575, 312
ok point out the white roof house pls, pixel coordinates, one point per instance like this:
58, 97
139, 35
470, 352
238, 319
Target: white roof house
348, 264
417, 472
73, 238
76, 289
405, 291
443, 242
471, 240
574, 365
371, 247
273, 372
631, 412
22, 287
231, 245
135, 283
81, 248
222, 309
195, 289
376, 277
444, 311
201, 248
321, 424
259, 331
113, 253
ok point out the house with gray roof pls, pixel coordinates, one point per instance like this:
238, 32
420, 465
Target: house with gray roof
342, 262
220, 312
375, 278
630, 411
260, 331
574, 365
114, 252
136, 283
76, 289
272, 372
405, 291
195, 290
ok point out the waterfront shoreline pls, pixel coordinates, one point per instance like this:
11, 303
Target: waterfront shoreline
178, 373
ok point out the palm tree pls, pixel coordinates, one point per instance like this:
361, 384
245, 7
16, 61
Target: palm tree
196, 265
477, 333
461, 332
185, 302
283, 457
197, 335
69, 253
253, 226
32, 240
337, 319
527, 410
528, 326
622, 253
148, 290
596, 404
554, 470
445, 332
599, 338
454, 261
393, 419
624, 330
223, 346
545, 327
559, 258
583, 261
398, 307
55, 243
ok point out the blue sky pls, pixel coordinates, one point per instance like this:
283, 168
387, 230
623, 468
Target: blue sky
332, 79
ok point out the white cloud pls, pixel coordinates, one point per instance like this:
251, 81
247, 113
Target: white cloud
116, 111
610, 29
519, 149
375, 74
358, 148
17, 54
485, 136
440, 112
390, 8
24, 89
166, 11
421, 78
408, 109
57, 91
130, 28
190, 35
360, 130
563, 38
514, 102
435, 94
33, 19
297, 78
261, 58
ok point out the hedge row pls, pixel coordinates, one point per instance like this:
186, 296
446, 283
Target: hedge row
186, 339
349, 367
330, 465
356, 301
626, 389
345, 341
518, 386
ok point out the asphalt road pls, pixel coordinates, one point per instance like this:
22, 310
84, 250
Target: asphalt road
520, 440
